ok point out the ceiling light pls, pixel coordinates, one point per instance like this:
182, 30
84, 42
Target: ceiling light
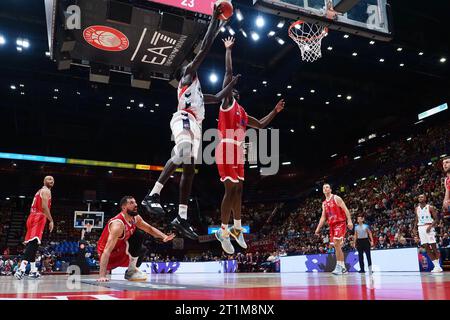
222, 29
346, 36
13, 87
354, 54
213, 78
402, 64
372, 42
312, 91
301, 98
289, 87
128, 107
271, 34
260, 22
292, 130
442, 60
151, 110
243, 33
328, 102
349, 98
280, 41
132, 101
2, 40
239, 15
330, 48
47, 53
254, 90
399, 49
357, 157
107, 104
280, 24
156, 104
264, 82
381, 60
278, 94
141, 105
313, 127
231, 31
286, 163
19, 49
19, 42
110, 98
420, 53
334, 155
25, 44
255, 36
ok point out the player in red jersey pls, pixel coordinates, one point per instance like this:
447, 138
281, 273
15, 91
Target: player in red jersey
39, 214
233, 121
335, 212
446, 203
121, 242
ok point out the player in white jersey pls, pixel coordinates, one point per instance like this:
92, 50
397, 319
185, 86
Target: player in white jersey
426, 219
186, 126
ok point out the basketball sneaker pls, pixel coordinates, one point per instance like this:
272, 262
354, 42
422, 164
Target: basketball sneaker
338, 270
184, 228
238, 235
225, 241
34, 275
152, 204
19, 274
437, 270
135, 275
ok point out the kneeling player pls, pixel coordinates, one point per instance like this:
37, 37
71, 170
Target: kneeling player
120, 243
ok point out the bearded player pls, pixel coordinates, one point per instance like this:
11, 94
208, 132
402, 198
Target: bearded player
335, 212
446, 203
426, 219
186, 126
120, 244
39, 214
233, 121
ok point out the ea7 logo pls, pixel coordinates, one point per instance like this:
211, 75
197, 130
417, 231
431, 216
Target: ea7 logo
161, 48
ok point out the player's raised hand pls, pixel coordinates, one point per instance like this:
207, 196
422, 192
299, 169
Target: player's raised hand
235, 79
168, 237
217, 11
228, 42
280, 106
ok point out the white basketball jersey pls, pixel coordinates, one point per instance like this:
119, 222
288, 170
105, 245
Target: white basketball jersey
191, 97
424, 215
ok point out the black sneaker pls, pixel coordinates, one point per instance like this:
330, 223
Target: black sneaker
361, 271
184, 228
152, 204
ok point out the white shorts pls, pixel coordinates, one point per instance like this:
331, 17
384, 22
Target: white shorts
425, 237
185, 128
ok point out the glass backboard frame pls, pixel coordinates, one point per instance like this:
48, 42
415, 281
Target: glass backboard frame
382, 32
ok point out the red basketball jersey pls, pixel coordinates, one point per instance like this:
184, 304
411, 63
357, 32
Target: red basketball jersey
36, 206
447, 184
333, 212
121, 244
233, 122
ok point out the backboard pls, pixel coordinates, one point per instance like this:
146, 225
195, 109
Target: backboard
94, 218
366, 18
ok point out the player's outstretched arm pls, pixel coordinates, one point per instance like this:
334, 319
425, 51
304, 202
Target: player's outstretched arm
207, 42
228, 43
144, 226
116, 230
217, 98
446, 203
264, 122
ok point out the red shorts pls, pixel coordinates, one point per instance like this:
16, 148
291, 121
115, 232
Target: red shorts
35, 227
119, 258
230, 161
338, 230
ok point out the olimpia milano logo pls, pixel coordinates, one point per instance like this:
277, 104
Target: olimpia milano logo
106, 38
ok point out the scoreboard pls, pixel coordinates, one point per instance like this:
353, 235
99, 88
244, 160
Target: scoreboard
200, 6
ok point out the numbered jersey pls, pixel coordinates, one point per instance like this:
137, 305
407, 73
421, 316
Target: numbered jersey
36, 206
233, 122
190, 98
333, 212
121, 244
424, 215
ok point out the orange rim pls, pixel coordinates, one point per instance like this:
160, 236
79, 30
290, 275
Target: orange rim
295, 37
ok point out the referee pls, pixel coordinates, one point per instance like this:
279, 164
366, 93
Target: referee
362, 243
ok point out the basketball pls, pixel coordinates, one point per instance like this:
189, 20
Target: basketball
227, 9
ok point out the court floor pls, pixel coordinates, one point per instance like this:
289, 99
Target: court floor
238, 286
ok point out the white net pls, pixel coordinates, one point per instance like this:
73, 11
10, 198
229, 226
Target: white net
308, 37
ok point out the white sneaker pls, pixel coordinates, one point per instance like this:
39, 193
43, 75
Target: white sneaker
34, 275
225, 241
239, 236
437, 270
337, 270
135, 275
19, 275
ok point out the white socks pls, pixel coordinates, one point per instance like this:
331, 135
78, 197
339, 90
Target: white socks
182, 211
237, 224
225, 231
33, 267
156, 188
23, 265
132, 265
436, 263
341, 263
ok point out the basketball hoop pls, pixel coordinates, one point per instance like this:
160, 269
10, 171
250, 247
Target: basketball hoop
308, 37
